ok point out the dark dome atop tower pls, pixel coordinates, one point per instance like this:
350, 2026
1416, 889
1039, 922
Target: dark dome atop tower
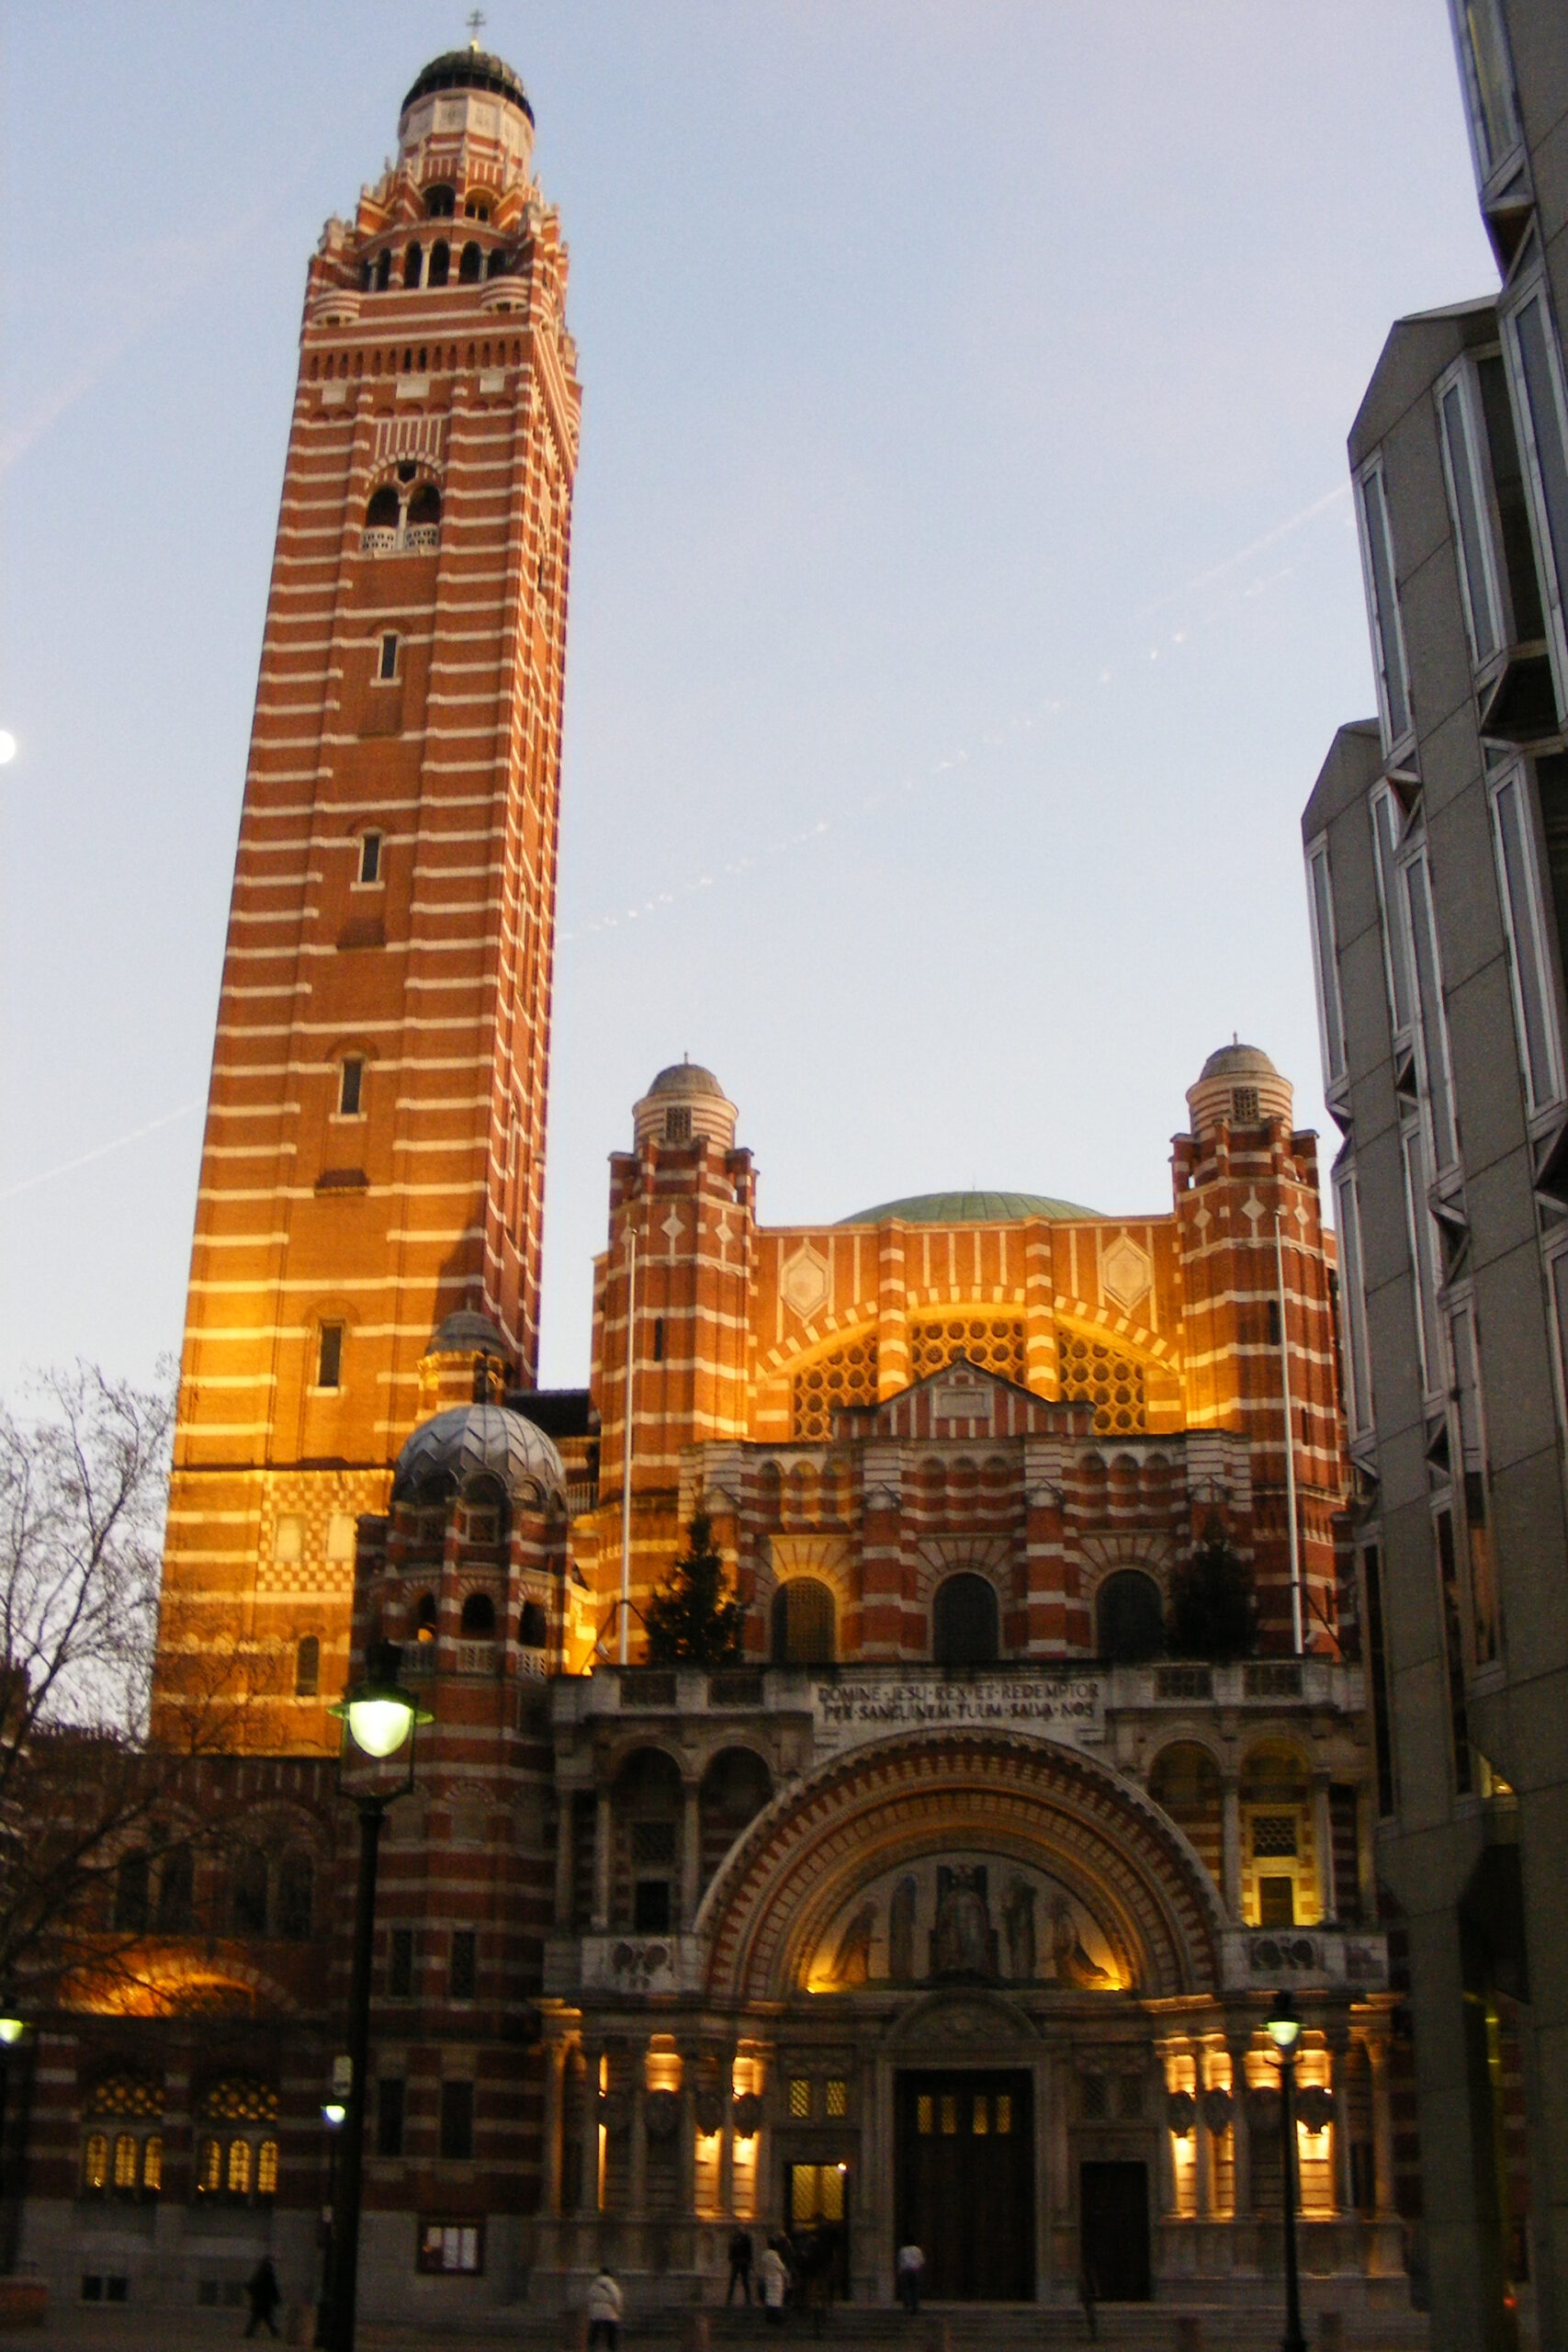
686, 1078
469, 69
471, 1441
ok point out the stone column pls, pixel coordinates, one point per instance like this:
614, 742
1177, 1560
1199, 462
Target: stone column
602, 1826
1230, 1800
1203, 2146
1323, 1839
691, 1853
1241, 2128
1168, 2210
1339, 2083
727, 2130
1383, 2130
587, 2191
555, 2077
636, 2059
565, 1825
686, 2169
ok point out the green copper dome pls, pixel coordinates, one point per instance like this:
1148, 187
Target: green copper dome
969, 1209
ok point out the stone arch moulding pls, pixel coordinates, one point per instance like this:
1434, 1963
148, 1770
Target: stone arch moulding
993, 1793
826, 1557
1105, 1555
937, 1557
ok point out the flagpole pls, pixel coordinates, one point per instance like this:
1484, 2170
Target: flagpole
1296, 1627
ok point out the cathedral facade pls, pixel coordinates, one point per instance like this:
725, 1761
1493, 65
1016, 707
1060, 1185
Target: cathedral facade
952, 1904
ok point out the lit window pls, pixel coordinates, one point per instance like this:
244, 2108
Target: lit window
949, 2114
1383, 609
370, 857
923, 2113
239, 2176
329, 1360
209, 2171
982, 2116
1004, 2112
452, 2246
266, 2168
388, 660
351, 1083
799, 2097
1462, 467
838, 2097
152, 2165
96, 2163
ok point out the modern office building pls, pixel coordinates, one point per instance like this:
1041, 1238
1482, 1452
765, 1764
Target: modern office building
1437, 849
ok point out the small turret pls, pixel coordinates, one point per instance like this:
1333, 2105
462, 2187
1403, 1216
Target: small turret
1239, 1087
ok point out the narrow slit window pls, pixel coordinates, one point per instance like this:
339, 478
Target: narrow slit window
1469, 523
351, 1086
370, 857
1531, 341
1330, 1017
1430, 1002
1396, 937
388, 667
1388, 645
328, 1358
1529, 969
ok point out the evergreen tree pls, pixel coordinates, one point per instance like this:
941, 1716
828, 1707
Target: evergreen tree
1213, 1608
694, 1619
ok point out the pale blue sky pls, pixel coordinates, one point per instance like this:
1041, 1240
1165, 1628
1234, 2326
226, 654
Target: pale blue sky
964, 591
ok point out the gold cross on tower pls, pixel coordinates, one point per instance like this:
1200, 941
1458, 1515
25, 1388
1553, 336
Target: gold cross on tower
475, 21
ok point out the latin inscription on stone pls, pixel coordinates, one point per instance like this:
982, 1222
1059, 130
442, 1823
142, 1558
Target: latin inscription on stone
853, 1709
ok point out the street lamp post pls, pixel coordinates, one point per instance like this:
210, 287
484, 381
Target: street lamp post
334, 2112
379, 1718
1284, 2027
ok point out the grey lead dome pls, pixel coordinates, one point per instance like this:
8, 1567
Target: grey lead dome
687, 1078
1237, 1060
474, 1440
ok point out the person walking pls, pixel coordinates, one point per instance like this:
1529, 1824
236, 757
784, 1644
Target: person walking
773, 2282
911, 2267
605, 2306
264, 2294
739, 2265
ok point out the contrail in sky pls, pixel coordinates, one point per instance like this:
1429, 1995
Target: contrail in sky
100, 1151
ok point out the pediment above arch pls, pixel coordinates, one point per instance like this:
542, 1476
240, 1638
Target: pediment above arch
968, 2019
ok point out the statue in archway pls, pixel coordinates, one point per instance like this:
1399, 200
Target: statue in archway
1019, 1919
852, 1962
962, 1943
1073, 1965
901, 1931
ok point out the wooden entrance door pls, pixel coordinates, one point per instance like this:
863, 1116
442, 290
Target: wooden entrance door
965, 2183
1113, 2221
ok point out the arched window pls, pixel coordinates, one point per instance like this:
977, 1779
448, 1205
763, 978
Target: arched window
479, 1617
384, 271
965, 1630
497, 261
1131, 1618
440, 262
177, 1891
471, 265
306, 1667
296, 1896
237, 2156
533, 1630
440, 202
412, 266
122, 2152
803, 1624
381, 515
1185, 1783
133, 1893
424, 507
247, 1895
424, 1619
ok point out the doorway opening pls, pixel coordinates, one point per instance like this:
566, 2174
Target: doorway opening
965, 2183
1114, 2231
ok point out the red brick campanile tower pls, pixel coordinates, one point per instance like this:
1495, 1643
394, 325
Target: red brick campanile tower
373, 1163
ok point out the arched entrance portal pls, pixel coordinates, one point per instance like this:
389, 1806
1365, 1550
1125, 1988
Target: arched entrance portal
955, 1938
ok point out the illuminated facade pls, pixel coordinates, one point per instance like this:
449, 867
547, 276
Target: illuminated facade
954, 1905
373, 1156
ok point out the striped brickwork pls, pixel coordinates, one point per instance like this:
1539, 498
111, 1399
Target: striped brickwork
760, 1357
411, 690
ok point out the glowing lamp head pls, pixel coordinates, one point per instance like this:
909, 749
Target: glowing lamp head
380, 1713
332, 2114
11, 2030
1284, 2026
